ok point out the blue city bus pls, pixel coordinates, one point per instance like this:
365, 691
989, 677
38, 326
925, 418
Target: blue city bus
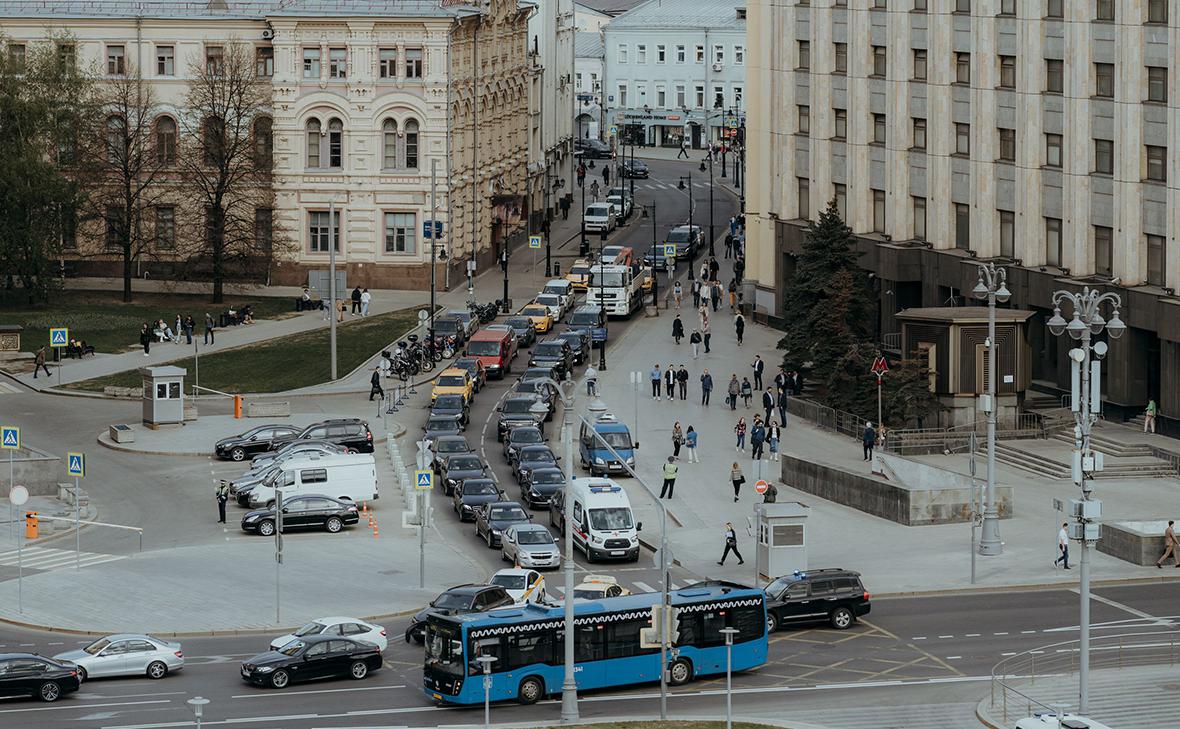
528, 644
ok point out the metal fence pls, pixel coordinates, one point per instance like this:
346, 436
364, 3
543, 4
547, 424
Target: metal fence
825, 417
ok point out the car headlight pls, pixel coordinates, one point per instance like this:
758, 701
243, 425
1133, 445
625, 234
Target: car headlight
599, 461
452, 481
631, 461
495, 532
264, 669
634, 541
596, 540
466, 507
251, 517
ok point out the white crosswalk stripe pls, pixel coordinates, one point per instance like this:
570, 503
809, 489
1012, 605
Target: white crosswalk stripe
922, 716
45, 558
8, 389
643, 587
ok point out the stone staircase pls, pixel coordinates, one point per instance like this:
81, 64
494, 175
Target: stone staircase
1122, 460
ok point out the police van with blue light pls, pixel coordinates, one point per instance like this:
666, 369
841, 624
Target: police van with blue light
604, 525
595, 456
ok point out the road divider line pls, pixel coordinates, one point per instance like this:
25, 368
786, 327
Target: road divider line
320, 691
83, 707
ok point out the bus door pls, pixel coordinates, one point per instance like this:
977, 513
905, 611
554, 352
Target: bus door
589, 647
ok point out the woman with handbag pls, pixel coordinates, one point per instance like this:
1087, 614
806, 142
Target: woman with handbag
737, 478
677, 440
740, 431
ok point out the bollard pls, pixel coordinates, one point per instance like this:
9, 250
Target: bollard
30, 525
237, 407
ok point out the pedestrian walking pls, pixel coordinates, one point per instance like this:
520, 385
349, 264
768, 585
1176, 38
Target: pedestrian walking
343, 310
677, 294
715, 295
178, 328
591, 381
768, 404
740, 431
375, 385
731, 545
356, 300
1149, 416
732, 296
782, 405
39, 360
739, 327
732, 390
690, 442
780, 379
683, 154
728, 245
696, 294
682, 382
366, 298
1062, 547
222, 496
706, 335
773, 433
737, 478
714, 268
145, 340
606, 175
759, 367
695, 340
677, 439
189, 325
1169, 547
581, 173
757, 438
869, 439
677, 329
565, 208
594, 190
703, 312
670, 471
670, 381
706, 387
209, 327
771, 494
654, 375
747, 392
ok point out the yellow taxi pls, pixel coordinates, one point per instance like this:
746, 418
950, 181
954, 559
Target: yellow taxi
596, 587
579, 274
540, 316
454, 381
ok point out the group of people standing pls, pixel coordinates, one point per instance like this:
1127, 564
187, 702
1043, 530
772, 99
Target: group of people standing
184, 325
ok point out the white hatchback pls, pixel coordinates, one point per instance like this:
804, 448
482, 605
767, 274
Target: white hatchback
523, 585
126, 654
353, 628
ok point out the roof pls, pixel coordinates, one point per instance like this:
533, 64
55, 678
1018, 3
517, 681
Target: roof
710, 15
226, 9
609, 7
589, 45
963, 315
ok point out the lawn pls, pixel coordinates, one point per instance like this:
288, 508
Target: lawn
104, 321
277, 365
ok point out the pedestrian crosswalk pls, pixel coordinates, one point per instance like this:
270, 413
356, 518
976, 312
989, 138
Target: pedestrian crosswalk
634, 586
8, 389
660, 185
43, 559
921, 716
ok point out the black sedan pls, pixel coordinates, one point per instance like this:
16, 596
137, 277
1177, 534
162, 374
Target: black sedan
515, 411
440, 425
492, 519
522, 326
253, 441
28, 674
543, 483
457, 601
579, 341
308, 511
519, 437
452, 405
460, 468
636, 168
592, 149
311, 658
555, 354
472, 494
530, 457
446, 446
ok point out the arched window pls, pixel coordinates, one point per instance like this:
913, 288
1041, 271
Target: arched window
263, 142
116, 140
411, 158
389, 144
313, 143
166, 141
335, 143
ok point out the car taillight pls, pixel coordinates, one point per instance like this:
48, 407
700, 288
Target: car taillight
73, 673
352, 508
383, 632
369, 435
866, 595
179, 654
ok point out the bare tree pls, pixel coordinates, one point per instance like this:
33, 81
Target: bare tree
225, 160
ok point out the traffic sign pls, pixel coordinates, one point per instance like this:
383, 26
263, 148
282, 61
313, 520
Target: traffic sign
428, 229
670, 250
10, 437
534, 241
761, 485
423, 315
76, 464
18, 495
880, 366
59, 336
424, 480
613, 130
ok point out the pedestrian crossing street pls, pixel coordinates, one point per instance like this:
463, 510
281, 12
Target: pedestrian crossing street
44, 559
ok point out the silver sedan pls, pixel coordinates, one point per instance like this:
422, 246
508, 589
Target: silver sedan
530, 545
126, 654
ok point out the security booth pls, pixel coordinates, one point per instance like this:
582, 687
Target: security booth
163, 395
781, 538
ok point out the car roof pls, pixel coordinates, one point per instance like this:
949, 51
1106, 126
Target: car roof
38, 656
506, 503
454, 371
530, 527
522, 428
470, 589
332, 619
530, 396
452, 438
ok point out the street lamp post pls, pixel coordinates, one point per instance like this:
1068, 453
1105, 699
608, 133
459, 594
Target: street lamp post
691, 247
632, 169
486, 662
198, 703
584, 247
602, 299
711, 228
993, 287
729, 633
1086, 403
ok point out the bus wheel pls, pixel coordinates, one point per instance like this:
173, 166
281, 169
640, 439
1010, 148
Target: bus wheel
531, 691
680, 672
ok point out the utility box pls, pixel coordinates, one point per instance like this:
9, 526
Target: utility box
781, 537
163, 395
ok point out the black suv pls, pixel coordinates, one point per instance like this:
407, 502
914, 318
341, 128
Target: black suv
555, 354
592, 149
517, 410
456, 601
352, 433
835, 595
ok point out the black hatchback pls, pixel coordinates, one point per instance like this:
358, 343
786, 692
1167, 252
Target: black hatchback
836, 596
352, 433
579, 341
307, 511
254, 441
28, 674
311, 658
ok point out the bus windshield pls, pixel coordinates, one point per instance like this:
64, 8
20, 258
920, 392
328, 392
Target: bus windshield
486, 348
611, 519
444, 650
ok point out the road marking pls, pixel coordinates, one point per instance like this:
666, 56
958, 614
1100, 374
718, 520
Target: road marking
643, 586
46, 558
952, 658
1027, 632
88, 696
918, 637
1003, 633
320, 691
65, 707
1125, 608
1007, 654
971, 635
946, 636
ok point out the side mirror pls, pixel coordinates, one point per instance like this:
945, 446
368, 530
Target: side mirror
285, 509
639, 526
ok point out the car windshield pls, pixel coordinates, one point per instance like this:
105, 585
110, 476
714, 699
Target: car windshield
465, 463
616, 439
548, 477
448, 402
449, 325
586, 318
539, 455
579, 270
536, 311
510, 582
508, 513
443, 423
311, 628
555, 289
600, 211
518, 406
534, 537
444, 652
453, 446
610, 278
95, 647
549, 299
551, 348
452, 601
587, 594
293, 648
776, 587
611, 519
485, 348
678, 236
526, 435
452, 381
478, 488
518, 323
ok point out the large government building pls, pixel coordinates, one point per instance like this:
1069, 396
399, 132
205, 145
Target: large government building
1040, 134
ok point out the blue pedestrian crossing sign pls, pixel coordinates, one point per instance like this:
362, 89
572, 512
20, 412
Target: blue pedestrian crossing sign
424, 480
534, 241
76, 464
10, 438
59, 336
670, 250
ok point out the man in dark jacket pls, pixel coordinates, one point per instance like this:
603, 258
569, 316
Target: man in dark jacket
682, 382
759, 367
768, 403
375, 385
677, 329
670, 381
356, 300
706, 386
782, 406
869, 439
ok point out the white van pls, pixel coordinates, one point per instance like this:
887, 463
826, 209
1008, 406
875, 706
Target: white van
599, 217
604, 525
340, 475
562, 288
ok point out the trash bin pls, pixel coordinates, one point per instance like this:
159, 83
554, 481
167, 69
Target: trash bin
223, 320
557, 269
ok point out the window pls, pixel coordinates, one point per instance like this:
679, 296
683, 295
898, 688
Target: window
737, 96
622, 639
335, 144
66, 55
804, 199
215, 60
166, 141
841, 196
116, 140
661, 96
841, 130
681, 96
264, 145
963, 68
1155, 259
1053, 150
165, 61
718, 53
1007, 72
112, 217
313, 143
1007, 144
920, 5
1054, 75
680, 54
69, 228
739, 55
213, 140
264, 228
400, 229
264, 62
718, 97
414, 60
804, 119
880, 4
17, 55
661, 53
841, 57
526, 649
1104, 156
337, 63
1103, 250
641, 53
699, 54
963, 139
621, 54
623, 96
1157, 11
165, 228
311, 63
1007, 7
1157, 84
116, 60
1053, 241
919, 133
389, 144
878, 211
804, 54
1157, 163
962, 6
387, 63
1104, 80
1055, 9
919, 64
880, 63
319, 232
962, 226
1007, 234
919, 218
399, 148
700, 94
1104, 10
878, 129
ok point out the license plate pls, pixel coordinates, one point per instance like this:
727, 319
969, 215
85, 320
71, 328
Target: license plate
616, 553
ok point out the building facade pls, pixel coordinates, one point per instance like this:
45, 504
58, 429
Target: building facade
1041, 135
589, 69
676, 70
368, 98
551, 101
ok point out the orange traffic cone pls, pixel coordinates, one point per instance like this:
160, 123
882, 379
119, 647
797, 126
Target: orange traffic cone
364, 508
374, 530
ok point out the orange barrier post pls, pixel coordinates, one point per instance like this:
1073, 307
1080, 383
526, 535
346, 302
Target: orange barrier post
374, 530
237, 407
31, 525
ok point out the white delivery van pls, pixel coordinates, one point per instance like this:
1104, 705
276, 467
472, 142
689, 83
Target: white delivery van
339, 475
604, 525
